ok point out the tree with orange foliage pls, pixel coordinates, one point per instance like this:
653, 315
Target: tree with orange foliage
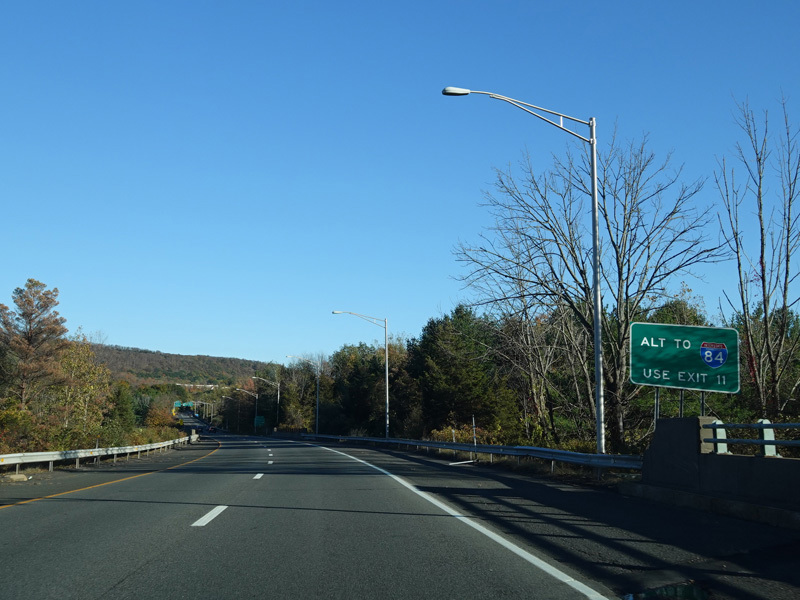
32, 340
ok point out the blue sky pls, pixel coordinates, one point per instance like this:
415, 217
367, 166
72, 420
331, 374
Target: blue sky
203, 177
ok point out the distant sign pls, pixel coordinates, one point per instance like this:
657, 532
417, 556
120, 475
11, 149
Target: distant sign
685, 357
259, 421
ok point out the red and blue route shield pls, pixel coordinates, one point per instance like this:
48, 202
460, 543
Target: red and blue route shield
714, 354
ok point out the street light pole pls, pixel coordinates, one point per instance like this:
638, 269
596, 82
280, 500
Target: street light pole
255, 404
318, 367
238, 411
385, 324
592, 141
278, 405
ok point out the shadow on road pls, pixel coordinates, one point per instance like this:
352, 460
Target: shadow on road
628, 544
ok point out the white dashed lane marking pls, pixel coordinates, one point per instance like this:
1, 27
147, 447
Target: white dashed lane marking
209, 517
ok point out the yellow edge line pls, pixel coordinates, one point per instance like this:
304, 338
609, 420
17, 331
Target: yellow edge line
219, 445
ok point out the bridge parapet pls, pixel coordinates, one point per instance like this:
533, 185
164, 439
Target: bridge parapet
690, 454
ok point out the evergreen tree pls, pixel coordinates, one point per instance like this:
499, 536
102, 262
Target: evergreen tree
121, 414
32, 340
458, 376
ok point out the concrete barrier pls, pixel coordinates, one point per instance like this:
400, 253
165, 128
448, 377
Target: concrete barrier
680, 468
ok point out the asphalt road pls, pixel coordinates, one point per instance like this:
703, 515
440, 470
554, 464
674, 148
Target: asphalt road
237, 517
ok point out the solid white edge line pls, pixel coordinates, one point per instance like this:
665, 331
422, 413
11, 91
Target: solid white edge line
213, 514
524, 554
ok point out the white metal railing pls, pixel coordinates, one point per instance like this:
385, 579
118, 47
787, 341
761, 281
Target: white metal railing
598, 461
22, 458
766, 437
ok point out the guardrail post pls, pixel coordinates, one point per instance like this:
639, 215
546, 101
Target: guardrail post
720, 434
767, 434
50, 466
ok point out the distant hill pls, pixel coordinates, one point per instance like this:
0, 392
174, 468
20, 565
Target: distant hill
148, 367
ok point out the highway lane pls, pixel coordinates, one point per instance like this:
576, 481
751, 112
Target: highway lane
264, 517
285, 519
628, 544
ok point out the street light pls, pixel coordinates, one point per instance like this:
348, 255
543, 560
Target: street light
592, 141
278, 405
380, 323
238, 410
318, 369
255, 403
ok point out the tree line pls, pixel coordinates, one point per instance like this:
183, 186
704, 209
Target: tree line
147, 367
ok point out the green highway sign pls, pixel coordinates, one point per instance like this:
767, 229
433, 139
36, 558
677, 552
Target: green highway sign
685, 357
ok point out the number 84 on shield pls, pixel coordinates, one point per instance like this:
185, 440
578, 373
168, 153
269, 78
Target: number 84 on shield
714, 354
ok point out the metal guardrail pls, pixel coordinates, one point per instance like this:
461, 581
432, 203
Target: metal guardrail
766, 436
598, 461
22, 458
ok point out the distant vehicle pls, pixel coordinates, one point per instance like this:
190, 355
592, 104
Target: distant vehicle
212, 429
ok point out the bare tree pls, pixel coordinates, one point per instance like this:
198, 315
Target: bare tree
538, 252
763, 308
